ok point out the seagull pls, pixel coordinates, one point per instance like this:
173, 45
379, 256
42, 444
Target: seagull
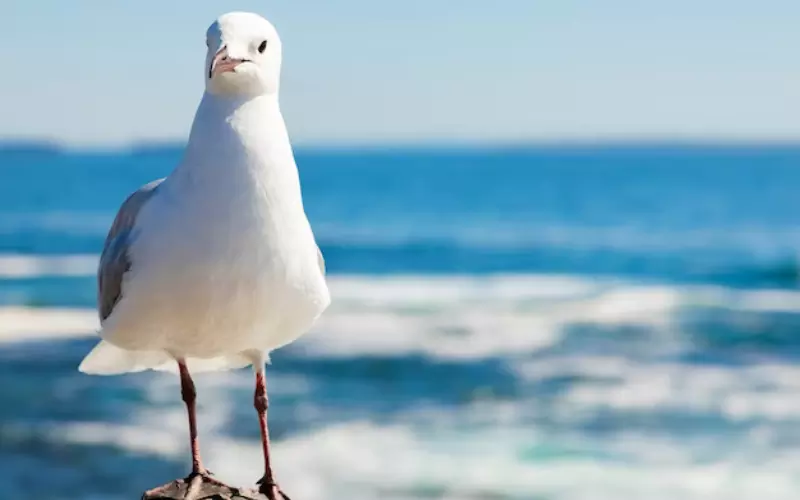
216, 265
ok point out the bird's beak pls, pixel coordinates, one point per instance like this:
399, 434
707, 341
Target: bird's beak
222, 63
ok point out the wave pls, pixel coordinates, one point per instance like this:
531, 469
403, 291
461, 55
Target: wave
404, 460
751, 261
491, 233
28, 323
500, 233
61, 222
15, 266
478, 317
524, 315
344, 260
618, 383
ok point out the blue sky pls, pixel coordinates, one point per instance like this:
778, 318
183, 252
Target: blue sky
93, 72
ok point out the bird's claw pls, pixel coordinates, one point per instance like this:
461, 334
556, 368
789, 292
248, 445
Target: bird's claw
205, 476
271, 490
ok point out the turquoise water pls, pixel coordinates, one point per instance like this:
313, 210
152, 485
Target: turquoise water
532, 323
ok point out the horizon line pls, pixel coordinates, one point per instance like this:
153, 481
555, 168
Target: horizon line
58, 146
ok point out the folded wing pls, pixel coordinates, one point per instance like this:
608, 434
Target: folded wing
115, 260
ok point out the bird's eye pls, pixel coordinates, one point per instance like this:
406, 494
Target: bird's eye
262, 47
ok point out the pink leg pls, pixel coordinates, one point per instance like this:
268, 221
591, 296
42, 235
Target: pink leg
199, 482
261, 403
189, 395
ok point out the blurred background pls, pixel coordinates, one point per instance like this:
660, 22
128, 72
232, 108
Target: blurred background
562, 240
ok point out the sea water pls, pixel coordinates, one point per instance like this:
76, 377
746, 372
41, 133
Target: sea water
550, 323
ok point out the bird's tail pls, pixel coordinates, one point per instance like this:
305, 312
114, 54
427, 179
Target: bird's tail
108, 359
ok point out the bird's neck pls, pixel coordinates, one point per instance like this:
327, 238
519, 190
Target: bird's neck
241, 144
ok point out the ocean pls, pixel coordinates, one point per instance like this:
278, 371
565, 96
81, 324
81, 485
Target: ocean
564, 322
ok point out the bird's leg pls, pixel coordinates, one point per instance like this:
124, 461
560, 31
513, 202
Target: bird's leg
189, 395
268, 486
199, 484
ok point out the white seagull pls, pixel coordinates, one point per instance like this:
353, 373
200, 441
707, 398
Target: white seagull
216, 265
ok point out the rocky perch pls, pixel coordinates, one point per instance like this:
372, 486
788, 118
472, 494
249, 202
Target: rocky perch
203, 488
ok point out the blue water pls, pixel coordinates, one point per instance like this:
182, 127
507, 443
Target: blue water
529, 323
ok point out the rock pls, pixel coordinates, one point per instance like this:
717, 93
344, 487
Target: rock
201, 488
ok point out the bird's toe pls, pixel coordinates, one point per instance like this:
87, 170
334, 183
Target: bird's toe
271, 490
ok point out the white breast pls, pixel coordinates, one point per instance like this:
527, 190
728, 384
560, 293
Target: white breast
225, 259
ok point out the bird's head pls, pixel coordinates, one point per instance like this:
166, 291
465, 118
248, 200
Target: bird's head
244, 56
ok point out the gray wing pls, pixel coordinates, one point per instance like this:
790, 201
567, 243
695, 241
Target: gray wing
115, 262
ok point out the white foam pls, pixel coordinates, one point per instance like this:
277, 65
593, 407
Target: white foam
35, 266
26, 323
393, 315
472, 317
759, 392
462, 317
364, 460
488, 449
